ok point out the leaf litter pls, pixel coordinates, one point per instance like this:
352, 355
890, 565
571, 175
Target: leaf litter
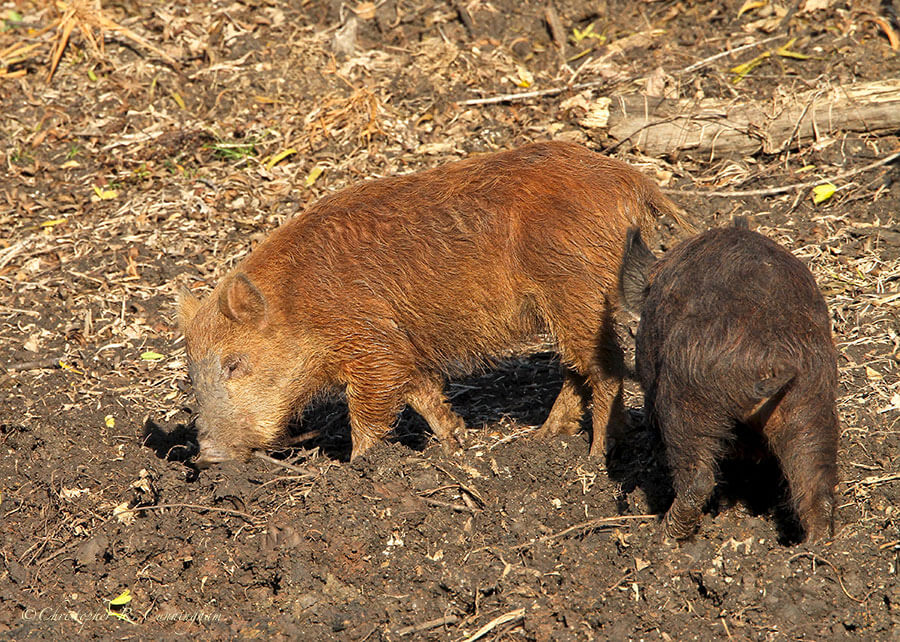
514, 540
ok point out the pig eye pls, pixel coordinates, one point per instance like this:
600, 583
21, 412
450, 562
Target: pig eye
234, 366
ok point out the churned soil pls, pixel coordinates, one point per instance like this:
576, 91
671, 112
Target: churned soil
163, 158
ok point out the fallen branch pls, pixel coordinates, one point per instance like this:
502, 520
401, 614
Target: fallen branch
465, 17
38, 364
658, 126
556, 30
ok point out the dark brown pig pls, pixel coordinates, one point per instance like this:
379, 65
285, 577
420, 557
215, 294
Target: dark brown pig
383, 288
734, 330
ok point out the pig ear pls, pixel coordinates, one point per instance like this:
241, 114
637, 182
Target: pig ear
242, 302
187, 307
636, 263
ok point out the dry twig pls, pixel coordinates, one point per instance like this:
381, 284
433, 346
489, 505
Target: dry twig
88, 15
816, 558
503, 98
459, 508
277, 462
771, 191
228, 511
511, 616
600, 522
702, 63
426, 626
556, 29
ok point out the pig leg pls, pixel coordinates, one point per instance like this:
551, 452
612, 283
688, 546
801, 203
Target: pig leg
805, 442
371, 419
426, 397
608, 412
374, 398
603, 361
597, 357
694, 439
565, 415
695, 485
606, 373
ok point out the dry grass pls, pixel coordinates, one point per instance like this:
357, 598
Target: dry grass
115, 192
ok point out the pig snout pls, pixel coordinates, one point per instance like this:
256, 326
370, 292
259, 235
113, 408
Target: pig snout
218, 419
211, 453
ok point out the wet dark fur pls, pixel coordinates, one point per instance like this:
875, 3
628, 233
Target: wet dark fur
384, 287
734, 329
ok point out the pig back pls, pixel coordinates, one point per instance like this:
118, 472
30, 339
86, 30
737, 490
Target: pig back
729, 306
464, 261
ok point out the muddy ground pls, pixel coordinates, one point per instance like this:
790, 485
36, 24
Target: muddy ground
160, 162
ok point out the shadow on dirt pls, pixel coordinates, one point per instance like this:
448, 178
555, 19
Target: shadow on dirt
749, 476
178, 445
520, 390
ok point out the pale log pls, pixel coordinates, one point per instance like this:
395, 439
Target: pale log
658, 126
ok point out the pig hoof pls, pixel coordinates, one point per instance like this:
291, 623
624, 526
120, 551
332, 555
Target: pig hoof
818, 533
452, 446
601, 447
665, 540
555, 429
677, 530
210, 455
360, 446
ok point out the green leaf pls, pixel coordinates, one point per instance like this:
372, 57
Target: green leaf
103, 194
588, 32
745, 68
280, 156
152, 356
120, 601
785, 51
178, 99
314, 175
823, 192
123, 599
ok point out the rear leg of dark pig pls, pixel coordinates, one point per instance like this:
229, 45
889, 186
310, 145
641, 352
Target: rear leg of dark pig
426, 396
694, 439
804, 439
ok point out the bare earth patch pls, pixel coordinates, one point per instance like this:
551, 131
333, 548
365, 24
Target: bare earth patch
159, 160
